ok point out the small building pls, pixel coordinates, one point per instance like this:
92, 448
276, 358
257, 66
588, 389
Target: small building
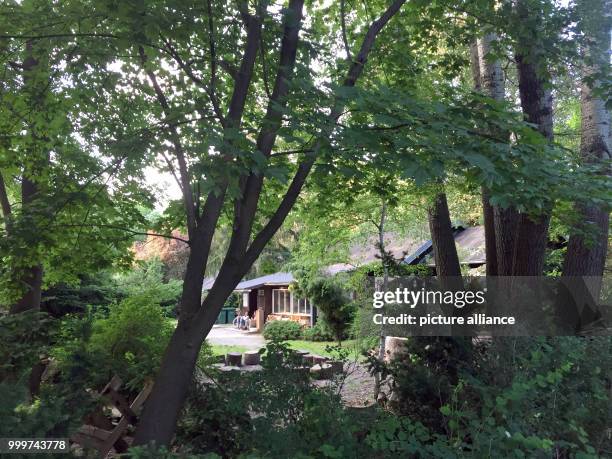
269, 298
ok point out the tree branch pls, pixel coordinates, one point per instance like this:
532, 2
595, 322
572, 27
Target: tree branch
178, 147
246, 205
290, 197
186, 67
5, 204
347, 49
122, 228
213, 63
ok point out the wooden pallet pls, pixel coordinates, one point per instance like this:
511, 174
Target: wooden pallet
99, 432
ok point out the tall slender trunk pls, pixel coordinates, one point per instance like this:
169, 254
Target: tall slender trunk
383, 257
489, 78
31, 277
506, 225
536, 103
442, 239
587, 257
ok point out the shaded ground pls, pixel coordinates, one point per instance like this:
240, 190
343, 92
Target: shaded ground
358, 389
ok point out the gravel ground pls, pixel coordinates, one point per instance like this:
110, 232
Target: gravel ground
231, 336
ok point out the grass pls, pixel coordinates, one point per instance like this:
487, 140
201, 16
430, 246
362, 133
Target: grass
318, 347
222, 349
314, 347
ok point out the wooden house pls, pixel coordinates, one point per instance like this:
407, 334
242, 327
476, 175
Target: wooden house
268, 298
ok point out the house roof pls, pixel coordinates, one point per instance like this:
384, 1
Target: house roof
270, 279
470, 248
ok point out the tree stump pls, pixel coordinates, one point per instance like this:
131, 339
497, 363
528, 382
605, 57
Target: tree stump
229, 369
321, 371
233, 359
304, 356
394, 347
318, 359
251, 358
337, 366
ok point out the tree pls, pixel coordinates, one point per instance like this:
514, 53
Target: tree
586, 251
243, 187
536, 103
488, 77
63, 199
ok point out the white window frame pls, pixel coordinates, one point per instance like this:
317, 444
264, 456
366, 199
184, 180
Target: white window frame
307, 307
294, 304
275, 308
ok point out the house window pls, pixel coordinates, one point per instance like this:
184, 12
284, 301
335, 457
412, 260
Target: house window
302, 307
281, 301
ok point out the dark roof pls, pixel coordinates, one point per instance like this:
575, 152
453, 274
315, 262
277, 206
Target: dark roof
470, 248
270, 279
418, 254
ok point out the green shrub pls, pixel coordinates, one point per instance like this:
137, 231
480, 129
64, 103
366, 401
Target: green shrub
147, 278
318, 333
533, 397
282, 330
336, 311
132, 339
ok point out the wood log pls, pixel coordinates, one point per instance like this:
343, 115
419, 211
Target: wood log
337, 366
318, 359
303, 356
251, 358
321, 371
233, 359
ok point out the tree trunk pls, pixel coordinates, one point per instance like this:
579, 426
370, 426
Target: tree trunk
588, 257
32, 282
31, 277
506, 225
536, 103
383, 258
442, 239
488, 215
488, 78
160, 415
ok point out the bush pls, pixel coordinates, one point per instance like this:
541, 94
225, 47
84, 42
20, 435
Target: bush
336, 310
318, 333
132, 339
539, 397
282, 330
